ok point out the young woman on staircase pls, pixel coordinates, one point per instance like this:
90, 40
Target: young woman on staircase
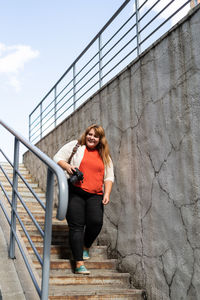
86, 197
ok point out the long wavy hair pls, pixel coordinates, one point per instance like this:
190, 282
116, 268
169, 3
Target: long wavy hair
102, 146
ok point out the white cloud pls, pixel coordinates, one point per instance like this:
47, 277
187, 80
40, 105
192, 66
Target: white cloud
170, 9
12, 61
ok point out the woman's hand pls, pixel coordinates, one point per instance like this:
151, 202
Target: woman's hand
67, 167
107, 191
106, 199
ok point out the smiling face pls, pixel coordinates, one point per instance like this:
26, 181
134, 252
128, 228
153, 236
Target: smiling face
92, 139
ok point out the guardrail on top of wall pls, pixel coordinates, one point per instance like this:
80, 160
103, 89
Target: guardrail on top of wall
131, 30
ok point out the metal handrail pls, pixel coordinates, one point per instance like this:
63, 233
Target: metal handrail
53, 169
112, 53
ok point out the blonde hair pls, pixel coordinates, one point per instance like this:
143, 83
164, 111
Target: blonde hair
102, 146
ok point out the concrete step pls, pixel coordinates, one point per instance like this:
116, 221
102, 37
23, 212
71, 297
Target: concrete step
21, 186
27, 177
56, 240
105, 278
9, 171
27, 194
61, 264
7, 165
61, 251
85, 292
40, 219
104, 282
56, 229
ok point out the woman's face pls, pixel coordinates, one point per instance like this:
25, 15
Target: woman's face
92, 139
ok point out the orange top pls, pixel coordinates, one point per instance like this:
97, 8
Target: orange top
92, 167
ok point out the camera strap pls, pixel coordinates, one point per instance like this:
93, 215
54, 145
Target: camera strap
73, 152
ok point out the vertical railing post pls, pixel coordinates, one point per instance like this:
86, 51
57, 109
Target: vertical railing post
74, 86
137, 26
47, 235
100, 61
14, 199
29, 128
55, 106
40, 120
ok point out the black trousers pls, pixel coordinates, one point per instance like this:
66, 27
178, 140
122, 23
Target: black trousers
85, 219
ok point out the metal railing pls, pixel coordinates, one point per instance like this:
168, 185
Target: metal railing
53, 169
131, 30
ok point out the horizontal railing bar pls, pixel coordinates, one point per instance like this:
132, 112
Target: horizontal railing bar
118, 41
58, 103
27, 263
57, 112
87, 73
119, 62
5, 213
28, 211
28, 237
5, 174
77, 100
146, 13
119, 52
65, 95
5, 193
35, 120
143, 28
37, 123
31, 190
23, 203
8, 160
37, 136
86, 65
118, 31
45, 121
86, 83
166, 20
143, 4
87, 47
52, 102
87, 91
21, 223
25, 182
70, 82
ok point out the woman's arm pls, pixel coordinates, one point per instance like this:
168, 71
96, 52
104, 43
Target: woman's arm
107, 190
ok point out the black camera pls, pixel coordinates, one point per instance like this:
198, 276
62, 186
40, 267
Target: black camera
76, 176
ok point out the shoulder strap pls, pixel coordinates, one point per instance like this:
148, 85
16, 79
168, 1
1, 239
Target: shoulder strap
73, 152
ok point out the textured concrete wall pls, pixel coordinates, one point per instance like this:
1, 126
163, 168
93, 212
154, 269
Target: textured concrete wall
151, 114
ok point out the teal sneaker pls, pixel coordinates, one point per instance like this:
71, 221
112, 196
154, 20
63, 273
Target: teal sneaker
85, 255
82, 270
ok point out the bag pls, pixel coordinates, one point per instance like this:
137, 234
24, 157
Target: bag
77, 175
73, 152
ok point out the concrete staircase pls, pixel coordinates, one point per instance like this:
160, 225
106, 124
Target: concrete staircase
104, 282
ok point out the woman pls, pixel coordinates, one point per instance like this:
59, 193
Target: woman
87, 197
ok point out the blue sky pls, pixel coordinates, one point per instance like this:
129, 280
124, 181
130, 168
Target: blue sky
39, 40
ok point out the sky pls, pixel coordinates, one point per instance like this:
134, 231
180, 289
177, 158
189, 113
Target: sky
39, 40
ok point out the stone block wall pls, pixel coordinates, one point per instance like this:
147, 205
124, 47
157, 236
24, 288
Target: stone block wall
151, 115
